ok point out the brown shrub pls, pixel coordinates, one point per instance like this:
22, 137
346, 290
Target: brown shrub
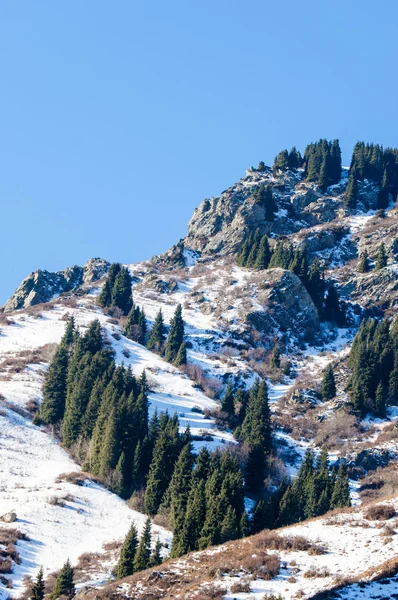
292, 543
210, 592
380, 512
5, 565
314, 572
76, 477
241, 587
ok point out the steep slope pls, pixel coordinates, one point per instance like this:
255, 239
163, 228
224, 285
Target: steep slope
295, 562
234, 317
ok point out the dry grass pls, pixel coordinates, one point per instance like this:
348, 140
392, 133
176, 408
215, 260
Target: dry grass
76, 477
382, 483
380, 512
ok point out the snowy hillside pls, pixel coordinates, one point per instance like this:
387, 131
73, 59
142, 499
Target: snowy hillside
245, 320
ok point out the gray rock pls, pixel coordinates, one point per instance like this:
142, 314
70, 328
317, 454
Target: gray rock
10, 517
287, 306
42, 286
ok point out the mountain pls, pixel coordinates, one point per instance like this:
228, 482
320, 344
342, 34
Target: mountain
288, 277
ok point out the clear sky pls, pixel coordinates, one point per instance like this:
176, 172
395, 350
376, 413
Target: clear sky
118, 118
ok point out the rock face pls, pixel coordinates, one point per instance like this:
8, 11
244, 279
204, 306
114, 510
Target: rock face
42, 286
287, 306
377, 289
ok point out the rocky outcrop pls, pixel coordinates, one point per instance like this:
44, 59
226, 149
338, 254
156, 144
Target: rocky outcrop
286, 304
42, 286
377, 289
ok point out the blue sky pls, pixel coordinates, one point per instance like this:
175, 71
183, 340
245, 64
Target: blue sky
118, 118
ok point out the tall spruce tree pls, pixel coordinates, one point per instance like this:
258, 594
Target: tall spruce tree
381, 260
157, 335
363, 263
121, 291
105, 297
351, 192
64, 585
125, 565
176, 335
328, 387
37, 591
143, 554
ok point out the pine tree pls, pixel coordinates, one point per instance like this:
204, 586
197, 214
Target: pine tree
125, 565
227, 402
143, 554
380, 401
157, 336
316, 284
333, 311
37, 592
276, 358
178, 491
381, 260
260, 518
363, 263
351, 192
176, 335
64, 585
181, 358
105, 297
341, 492
393, 382
383, 196
156, 557
261, 166
54, 389
282, 160
323, 179
121, 291
263, 254
328, 387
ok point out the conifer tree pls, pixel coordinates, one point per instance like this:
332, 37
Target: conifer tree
143, 553
260, 518
263, 255
393, 382
323, 179
328, 387
156, 557
162, 465
186, 535
380, 401
363, 263
121, 291
227, 402
157, 336
381, 260
54, 388
276, 358
125, 565
180, 484
383, 196
351, 192
181, 358
333, 310
281, 160
64, 585
176, 335
105, 297
37, 592
341, 492
261, 166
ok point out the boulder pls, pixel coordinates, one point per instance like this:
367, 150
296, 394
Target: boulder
287, 306
10, 517
42, 286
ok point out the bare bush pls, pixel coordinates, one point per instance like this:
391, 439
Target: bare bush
241, 587
380, 512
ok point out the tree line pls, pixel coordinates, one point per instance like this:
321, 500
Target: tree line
316, 489
116, 293
255, 252
374, 364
